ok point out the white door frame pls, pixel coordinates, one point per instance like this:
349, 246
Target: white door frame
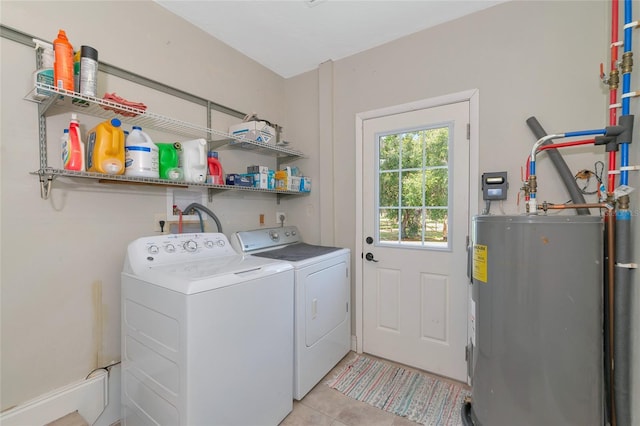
474, 174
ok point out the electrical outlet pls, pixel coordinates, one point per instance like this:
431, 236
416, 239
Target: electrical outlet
281, 218
156, 220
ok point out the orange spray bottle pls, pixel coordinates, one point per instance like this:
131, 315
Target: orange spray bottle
63, 62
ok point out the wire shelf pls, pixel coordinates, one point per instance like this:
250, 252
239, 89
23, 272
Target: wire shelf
64, 101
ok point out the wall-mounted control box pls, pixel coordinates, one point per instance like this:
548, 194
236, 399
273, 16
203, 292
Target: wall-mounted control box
494, 186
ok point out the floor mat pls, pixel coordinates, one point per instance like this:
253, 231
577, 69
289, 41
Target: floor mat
418, 397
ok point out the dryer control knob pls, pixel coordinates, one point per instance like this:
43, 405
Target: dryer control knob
170, 248
190, 246
274, 235
221, 243
208, 244
153, 249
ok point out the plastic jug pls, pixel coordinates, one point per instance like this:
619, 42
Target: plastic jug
73, 155
193, 160
168, 154
141, 155
105, 148
215, 168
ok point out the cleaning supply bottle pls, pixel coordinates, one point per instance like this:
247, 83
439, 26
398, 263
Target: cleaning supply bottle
141, 155
64, 145
44, 74
168, 154
105, 148
73, 148
193, 160
63, 62
215, 168
88, 80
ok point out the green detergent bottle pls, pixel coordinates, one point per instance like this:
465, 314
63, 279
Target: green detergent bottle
169, 158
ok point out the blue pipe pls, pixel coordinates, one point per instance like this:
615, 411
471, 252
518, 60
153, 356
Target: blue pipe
585, 133
626, 88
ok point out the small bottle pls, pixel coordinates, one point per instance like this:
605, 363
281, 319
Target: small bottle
215, 168
63, 62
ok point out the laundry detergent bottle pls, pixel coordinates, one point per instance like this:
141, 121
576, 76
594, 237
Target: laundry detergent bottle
168, 154
141, 155
105, 148
73, 154
193, 160
215, 168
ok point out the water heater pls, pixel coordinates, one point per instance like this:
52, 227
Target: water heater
537, 295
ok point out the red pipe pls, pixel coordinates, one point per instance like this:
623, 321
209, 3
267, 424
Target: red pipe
613, 93
565, 144
554, 146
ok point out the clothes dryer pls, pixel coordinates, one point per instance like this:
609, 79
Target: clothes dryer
322, 286
206, 334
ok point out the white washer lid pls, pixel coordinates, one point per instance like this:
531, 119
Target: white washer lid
204, 275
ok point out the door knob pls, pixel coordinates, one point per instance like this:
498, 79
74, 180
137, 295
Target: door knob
369, 257
369, 240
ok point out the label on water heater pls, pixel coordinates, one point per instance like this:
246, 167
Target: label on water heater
480, 262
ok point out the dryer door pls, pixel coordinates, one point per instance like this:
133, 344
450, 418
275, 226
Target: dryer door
325, 287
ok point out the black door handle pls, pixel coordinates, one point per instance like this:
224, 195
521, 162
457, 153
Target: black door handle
369, 257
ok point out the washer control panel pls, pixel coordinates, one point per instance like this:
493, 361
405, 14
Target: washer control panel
261, 239
161, 249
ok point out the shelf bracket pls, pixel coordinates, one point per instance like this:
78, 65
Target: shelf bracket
46, 179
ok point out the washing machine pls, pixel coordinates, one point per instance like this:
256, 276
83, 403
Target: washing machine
206, 334
322, 321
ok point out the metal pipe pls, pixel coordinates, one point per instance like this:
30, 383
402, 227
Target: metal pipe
561, 166
550, 206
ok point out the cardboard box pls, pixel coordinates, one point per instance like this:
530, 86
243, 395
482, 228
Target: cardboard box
305, 184
258, 131
257, 169
261, 180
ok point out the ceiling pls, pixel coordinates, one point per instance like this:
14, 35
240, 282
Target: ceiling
294, 36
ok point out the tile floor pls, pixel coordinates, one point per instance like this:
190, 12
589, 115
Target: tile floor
324, 406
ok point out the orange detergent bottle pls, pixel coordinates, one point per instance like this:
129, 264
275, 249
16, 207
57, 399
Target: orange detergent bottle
63, 62
105, 148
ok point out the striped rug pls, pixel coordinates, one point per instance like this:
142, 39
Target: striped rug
418, 397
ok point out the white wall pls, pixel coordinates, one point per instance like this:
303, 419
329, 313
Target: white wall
61, 258
60, 294
527, 58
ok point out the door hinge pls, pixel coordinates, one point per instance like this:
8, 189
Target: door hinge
468, 131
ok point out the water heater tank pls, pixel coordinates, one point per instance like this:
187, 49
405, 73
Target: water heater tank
537, 295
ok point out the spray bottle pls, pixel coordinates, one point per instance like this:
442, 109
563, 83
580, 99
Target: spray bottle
63, 62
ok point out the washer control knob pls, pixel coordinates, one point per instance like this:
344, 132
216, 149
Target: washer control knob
208, 244
170, 248
221, 243
153, 249
190, 246
286, 233
293, 233
274, 235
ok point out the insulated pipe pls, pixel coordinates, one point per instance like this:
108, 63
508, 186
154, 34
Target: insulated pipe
622, 316
561, 167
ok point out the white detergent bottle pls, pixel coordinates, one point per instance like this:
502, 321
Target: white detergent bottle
193, 160
141, 155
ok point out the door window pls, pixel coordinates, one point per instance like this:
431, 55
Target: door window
413, 202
